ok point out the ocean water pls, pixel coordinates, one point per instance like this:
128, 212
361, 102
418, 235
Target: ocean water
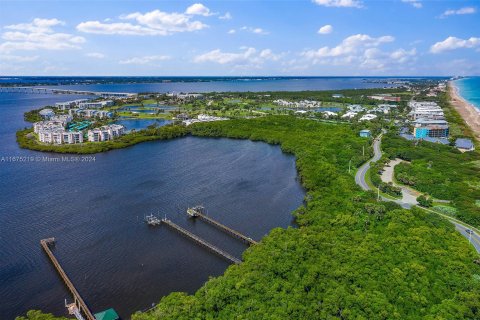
95, 210
469, 89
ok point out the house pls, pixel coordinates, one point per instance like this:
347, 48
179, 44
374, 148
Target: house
368, 117
365, 133
337, 95
349, 115
356, 108
182, 116
464, 144
328, 114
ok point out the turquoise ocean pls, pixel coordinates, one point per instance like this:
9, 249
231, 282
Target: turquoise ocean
469, 89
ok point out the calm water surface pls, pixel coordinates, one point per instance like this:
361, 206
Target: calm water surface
95, 211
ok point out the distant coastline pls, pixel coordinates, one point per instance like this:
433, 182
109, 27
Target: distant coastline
467, 111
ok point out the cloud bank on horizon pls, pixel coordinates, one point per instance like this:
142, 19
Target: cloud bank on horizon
317, 37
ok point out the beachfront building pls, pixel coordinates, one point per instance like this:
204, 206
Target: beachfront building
62, 118
96, 105
69, 104
424, 128
106, 133
464, 144
425, 110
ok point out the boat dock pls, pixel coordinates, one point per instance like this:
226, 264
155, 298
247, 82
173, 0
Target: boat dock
152, 220
199, 212
78, 306
201, 242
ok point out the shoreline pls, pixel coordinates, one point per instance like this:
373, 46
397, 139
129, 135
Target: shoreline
467, 111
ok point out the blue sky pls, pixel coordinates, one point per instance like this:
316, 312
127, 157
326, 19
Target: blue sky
175, 38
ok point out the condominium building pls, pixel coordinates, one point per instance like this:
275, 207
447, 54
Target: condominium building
424, 128
90, 113
96, 105
106, 133
69, 104
425, 110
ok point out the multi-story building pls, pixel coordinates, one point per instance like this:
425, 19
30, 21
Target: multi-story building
425, 110
96, 105
69, 104
106, 133
424, 128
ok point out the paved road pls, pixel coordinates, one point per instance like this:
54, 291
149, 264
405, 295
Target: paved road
360, 175
473, 238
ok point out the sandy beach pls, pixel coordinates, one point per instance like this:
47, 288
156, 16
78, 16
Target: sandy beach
469, 113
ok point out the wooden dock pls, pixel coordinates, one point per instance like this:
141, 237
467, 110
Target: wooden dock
201, 242
195, 213
78, 301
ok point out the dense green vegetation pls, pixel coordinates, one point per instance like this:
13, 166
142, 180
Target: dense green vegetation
38, 315
350, 258
27, 140
33, 115
440, 171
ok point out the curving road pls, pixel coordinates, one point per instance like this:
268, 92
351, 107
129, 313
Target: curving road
473, 236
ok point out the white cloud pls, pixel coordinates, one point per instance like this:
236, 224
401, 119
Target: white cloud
415, 3
226, 16
326, 29
38, 34
13, 58
461, 11
360, 51
38, 25
339, 3
251, 30
248, 57
232, 31
144, 60
151, 23
96, 55
350, 45
452, 43
198, 9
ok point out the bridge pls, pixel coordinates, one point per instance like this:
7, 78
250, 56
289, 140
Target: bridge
198, 212
41, 90
201, 242
78, 307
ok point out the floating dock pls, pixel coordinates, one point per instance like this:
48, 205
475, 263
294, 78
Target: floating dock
201, 242
78, 306
199, 212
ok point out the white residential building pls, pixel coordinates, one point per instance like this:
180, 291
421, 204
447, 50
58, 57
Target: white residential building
368, 117
69, 104
96, 105
356, 108
349, 115
425, 110
106, 133
202, 118
49, 125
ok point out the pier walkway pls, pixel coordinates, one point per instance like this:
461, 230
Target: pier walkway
78, 306
196, 212
40, 90
201, 242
